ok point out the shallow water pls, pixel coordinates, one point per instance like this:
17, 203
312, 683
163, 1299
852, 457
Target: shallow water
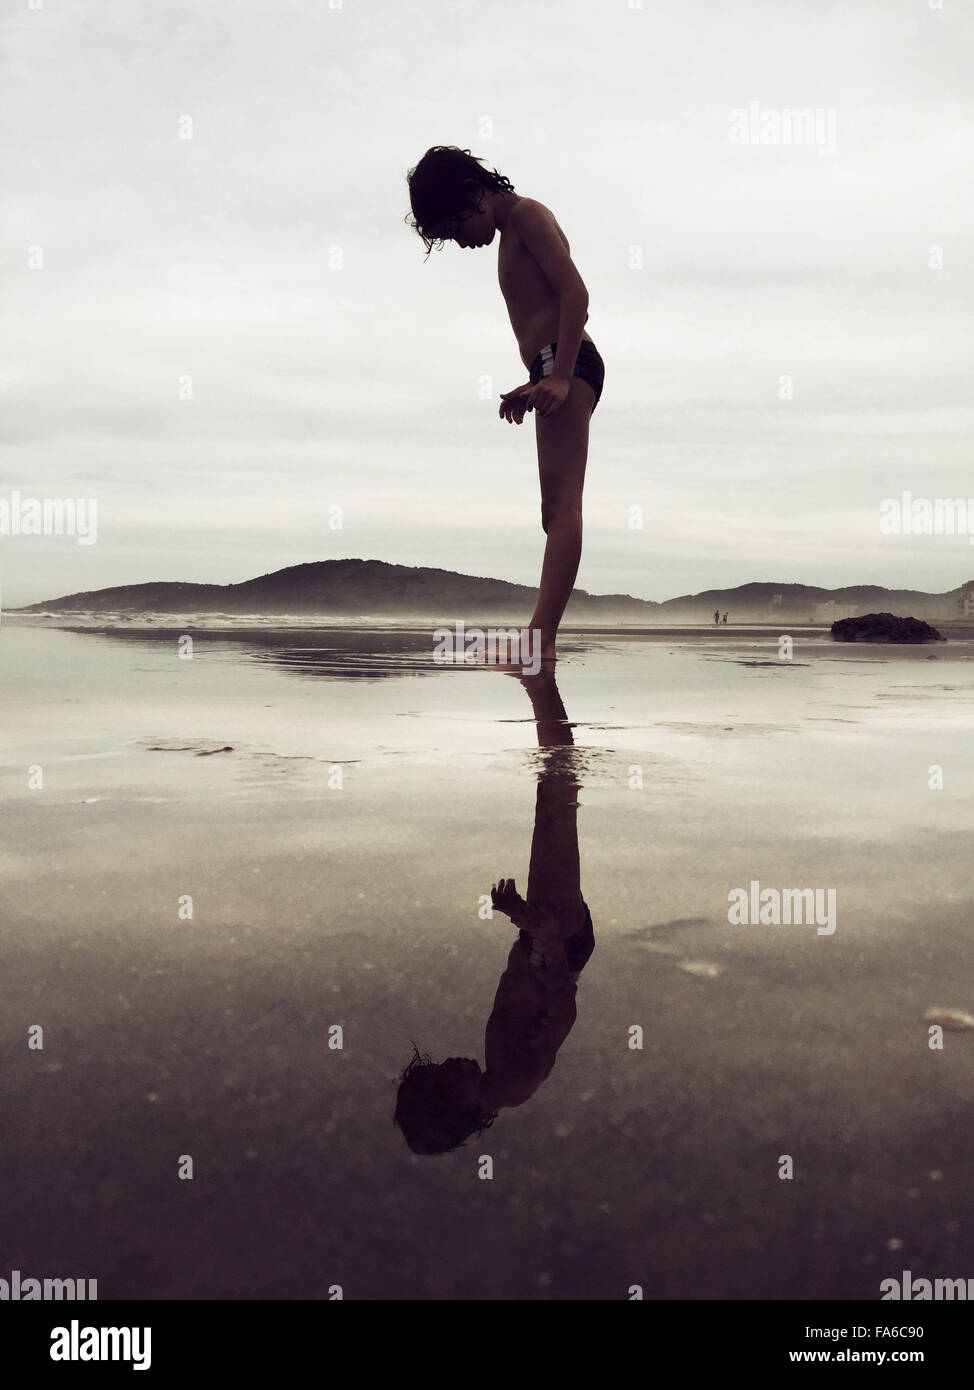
338, 806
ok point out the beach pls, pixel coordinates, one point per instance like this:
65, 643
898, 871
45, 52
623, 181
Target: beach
213, 862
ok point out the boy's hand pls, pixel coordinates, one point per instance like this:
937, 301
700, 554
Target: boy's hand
549, 395
513, 403
505, 897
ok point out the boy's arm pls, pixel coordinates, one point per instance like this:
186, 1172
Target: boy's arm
537, 230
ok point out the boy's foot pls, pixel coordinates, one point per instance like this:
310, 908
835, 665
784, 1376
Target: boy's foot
544, 642
512, 655
498, 657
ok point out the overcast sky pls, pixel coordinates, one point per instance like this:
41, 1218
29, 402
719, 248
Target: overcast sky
266, 259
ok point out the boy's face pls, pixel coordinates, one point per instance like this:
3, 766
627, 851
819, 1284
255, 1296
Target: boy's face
471, 229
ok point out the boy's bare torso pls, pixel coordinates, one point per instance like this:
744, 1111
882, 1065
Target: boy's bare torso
532, 304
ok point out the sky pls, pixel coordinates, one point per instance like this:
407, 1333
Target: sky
219, 328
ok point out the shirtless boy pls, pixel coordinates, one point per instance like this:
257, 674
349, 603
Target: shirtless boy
454, 198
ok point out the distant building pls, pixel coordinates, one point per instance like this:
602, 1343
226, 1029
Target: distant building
965, 600
773, 614
831, 611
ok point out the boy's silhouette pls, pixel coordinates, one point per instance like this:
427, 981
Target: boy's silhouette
453, 197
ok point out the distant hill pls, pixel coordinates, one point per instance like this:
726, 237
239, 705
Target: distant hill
768, 602
373, 588
348, 589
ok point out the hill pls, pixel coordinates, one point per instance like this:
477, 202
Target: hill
375, 589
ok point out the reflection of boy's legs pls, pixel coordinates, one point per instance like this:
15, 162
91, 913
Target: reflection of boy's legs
549, 711
554, 877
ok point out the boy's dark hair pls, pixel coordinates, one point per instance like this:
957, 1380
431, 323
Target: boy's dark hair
432, 1119
447, 183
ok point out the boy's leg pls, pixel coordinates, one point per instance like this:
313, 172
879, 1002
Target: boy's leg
562, 454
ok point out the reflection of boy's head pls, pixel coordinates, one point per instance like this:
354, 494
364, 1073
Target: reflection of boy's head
438, 1104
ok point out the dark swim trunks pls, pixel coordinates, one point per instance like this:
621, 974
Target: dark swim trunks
588, 365
579, 947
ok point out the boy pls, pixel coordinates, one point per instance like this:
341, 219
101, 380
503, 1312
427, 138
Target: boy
454, 198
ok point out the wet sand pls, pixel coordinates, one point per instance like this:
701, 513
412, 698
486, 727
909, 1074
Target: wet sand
703, 762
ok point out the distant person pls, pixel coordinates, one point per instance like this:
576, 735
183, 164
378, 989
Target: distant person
725, 617
454, 198
716, 616
439, 1105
